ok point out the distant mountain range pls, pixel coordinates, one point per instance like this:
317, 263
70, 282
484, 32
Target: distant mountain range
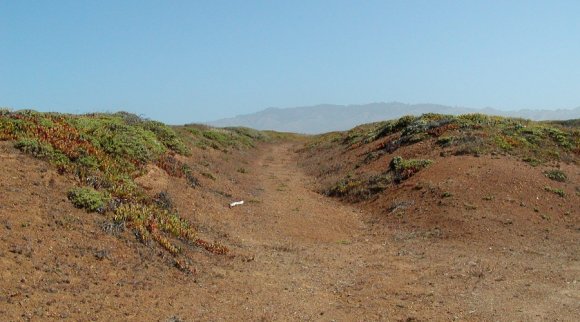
326, 118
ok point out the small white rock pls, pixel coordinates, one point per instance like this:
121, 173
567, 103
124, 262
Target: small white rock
236, 203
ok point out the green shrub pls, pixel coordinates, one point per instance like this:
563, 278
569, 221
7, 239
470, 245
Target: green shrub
560, 137
87, 198
218, 136
34, 147
209, 175
556, 175
532, 161
167, 136
88, 161
502, 143
254, 135
445, 141
227, 138
559, 192
403, 169
344, 187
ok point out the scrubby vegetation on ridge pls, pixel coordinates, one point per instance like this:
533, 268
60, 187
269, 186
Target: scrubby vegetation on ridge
105, 153
472, 134
228, 138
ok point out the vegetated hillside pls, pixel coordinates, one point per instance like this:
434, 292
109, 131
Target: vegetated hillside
497, 158
487, 205
324, 118
374, 156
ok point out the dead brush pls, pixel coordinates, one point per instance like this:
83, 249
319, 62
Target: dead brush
113, 227
153, 223
164, 201
214, 248
440, 130
176, 168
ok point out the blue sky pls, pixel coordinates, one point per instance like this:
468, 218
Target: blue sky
192, 61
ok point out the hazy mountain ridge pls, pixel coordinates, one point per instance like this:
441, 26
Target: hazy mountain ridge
327, 117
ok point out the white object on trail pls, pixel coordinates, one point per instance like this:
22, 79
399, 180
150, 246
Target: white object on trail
236, 203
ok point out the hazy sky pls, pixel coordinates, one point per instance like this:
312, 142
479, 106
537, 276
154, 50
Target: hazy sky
184, 61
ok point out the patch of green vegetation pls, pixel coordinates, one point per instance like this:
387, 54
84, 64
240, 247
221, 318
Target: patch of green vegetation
559, 192
446, 194
560, 137
209, 175
326, 140
445, 141
566, 123
218, 136
469, 206
404, 169
167, 136
118, 139
556, 175
224, 139
34, 147
248, 136
88, 198
344, 187
356, 188
532, 161
502, 143
365, 133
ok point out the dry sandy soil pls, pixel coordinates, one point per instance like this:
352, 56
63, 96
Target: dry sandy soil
481, 254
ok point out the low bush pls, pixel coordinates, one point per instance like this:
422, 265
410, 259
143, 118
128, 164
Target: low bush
403, 169
559, 192
88, 198
356, 188
556, 175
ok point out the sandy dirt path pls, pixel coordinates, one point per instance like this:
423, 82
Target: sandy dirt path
306, 248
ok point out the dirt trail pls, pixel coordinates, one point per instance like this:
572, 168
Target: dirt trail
291, 211
306, 248
317, 259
